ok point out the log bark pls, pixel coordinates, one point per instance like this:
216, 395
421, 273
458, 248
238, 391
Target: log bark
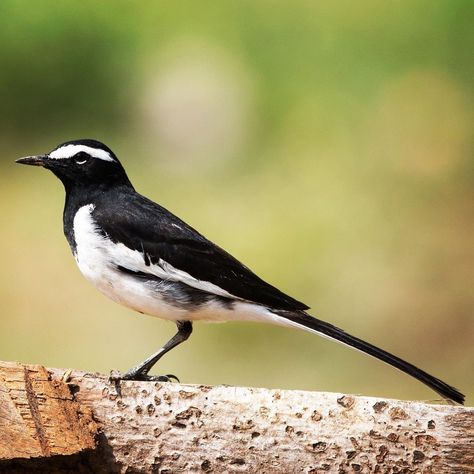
53, 420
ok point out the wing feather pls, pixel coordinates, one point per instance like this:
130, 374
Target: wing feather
167, 241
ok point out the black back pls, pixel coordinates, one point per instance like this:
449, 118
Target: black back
127, 217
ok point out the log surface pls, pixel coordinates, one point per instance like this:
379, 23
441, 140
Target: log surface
93, 425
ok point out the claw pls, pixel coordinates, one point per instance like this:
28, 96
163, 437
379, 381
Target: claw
163, 378
171, 376
116, 377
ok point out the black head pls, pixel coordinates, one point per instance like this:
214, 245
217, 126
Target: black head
82, 163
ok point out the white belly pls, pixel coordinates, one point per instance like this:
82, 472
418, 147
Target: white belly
98, 258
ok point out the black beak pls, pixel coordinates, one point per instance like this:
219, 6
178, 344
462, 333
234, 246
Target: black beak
39, 160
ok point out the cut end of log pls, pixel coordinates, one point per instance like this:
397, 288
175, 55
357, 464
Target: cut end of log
39, 416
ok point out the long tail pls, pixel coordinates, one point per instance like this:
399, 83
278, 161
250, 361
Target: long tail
304, 321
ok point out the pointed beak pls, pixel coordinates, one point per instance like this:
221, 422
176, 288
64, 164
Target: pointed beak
38, 160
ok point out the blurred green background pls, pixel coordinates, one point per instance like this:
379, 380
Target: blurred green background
327, 145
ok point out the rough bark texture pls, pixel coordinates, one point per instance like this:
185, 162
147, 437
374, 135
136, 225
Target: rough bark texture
46, 426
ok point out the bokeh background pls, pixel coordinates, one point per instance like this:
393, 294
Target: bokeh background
327, 145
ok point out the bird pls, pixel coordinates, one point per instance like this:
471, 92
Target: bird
142, 256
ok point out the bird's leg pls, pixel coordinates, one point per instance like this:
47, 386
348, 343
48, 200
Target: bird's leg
140, 371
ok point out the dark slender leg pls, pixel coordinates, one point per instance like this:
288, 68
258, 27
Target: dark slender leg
140, 371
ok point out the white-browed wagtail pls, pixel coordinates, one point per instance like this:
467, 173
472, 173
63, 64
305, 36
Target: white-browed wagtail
142, 256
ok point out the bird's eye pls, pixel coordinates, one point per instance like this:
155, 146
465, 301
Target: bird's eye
81, 158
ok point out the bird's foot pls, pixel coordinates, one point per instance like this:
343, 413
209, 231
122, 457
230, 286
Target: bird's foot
141, 377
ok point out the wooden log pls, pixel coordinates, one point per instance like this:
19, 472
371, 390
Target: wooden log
56, 421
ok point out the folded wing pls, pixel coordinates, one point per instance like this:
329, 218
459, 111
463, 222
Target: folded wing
184, 254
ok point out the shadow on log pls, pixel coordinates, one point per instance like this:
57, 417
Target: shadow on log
57, 421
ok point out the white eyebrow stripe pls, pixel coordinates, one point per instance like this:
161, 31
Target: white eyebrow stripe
68, 151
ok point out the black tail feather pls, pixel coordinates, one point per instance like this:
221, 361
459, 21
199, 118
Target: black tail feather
324, 328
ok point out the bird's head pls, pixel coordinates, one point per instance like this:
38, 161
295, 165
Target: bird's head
81, 163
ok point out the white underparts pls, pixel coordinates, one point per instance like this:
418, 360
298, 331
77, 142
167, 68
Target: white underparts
98, 259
